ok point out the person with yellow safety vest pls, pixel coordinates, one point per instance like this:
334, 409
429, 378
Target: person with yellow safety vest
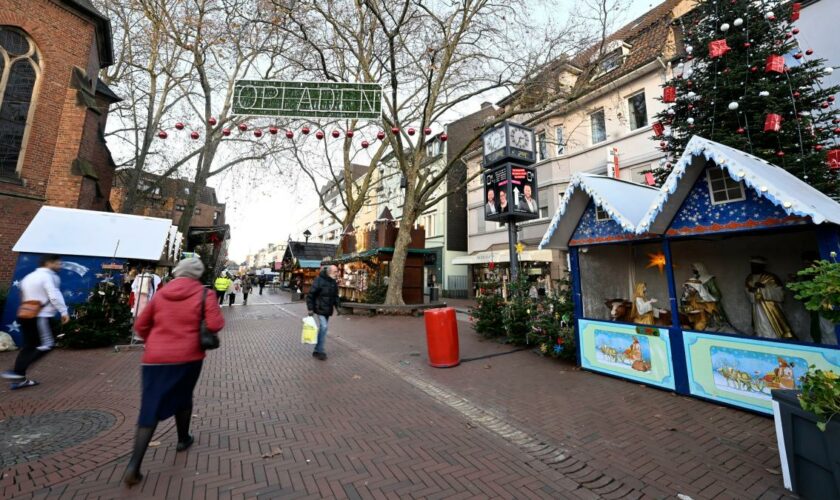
223, 282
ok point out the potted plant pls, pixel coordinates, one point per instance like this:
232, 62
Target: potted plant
808, 434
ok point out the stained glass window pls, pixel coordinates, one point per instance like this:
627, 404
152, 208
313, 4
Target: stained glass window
19, 72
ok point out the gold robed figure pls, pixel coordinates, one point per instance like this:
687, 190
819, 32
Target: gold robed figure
766, 295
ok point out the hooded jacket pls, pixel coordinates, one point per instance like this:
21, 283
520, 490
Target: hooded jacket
169, 324
323, 295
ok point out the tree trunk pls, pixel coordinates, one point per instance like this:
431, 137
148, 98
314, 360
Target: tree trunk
395, 281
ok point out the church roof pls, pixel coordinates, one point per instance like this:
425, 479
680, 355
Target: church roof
625, 202
104, 40
769, 181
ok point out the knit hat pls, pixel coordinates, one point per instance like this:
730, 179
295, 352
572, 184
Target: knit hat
189, 268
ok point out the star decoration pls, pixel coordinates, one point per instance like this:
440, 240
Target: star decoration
656, 260
14, 327
519, 248
16, 283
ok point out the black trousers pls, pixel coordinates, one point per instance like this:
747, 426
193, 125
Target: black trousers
261, 288
245, 297
37, 342
232, 298
221, 295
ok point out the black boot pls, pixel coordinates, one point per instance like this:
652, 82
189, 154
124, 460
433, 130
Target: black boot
182, 424
142, 438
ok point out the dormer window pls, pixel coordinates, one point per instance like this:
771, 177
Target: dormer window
601, 215
610, 58
722, 187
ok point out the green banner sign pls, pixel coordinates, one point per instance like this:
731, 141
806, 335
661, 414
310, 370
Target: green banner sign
307, 99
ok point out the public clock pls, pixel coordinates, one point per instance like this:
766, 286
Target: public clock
508, 142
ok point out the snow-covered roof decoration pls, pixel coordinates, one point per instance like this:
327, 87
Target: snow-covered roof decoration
774, 183
625, 202
68, 231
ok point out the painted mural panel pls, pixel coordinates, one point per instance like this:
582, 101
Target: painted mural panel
699, 215
591, 231
743, 371
78, 274
641, 353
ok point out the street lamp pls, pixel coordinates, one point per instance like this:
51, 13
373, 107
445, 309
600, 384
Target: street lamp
306, 235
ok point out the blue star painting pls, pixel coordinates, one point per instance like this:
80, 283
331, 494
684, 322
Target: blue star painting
590, 230
699, 215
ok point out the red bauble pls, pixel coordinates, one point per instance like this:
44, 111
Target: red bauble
411, 131
837, 131
809, 52
427, 131
747, 45
290, 134
798, 55
243, 127
818, 147
365, 144
794, 14
380, 135
349, 133
725, 71
780, 153
754, 69
662, 144
771, 18
824, 105
179, 126
796, 94
258, 132
834, 159
336, 134
319, 135
273, 130
304, 130
773, 122
443, 137
226, 132
212, 121
830, 98
194, 135
691, 107
395, 130
788, 35
835, 121
162, 134
689, 83
669, 94
795, 31
740, 130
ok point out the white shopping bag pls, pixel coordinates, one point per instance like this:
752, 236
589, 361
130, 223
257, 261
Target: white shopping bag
309, 335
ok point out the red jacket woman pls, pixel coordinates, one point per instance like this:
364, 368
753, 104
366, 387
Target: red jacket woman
172, 362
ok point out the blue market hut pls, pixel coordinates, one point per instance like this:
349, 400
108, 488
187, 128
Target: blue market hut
683, 287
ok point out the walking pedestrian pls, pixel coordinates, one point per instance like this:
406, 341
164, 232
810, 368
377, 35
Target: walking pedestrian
221, 286
262, 283
144, 287
41, 300
247, 288
234, 288
172, 360
320, 301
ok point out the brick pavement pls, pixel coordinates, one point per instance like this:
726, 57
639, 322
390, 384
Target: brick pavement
375, 422
273, 423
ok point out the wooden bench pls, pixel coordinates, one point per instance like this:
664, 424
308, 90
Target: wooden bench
373, 309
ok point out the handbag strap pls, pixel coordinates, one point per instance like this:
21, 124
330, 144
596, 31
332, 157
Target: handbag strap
203, 300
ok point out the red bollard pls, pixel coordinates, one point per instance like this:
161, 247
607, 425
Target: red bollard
442, 337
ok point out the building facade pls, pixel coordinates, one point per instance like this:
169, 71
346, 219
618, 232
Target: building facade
53, 112
601, 124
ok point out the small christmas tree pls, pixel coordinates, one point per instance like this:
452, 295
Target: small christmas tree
746, 82
100, 322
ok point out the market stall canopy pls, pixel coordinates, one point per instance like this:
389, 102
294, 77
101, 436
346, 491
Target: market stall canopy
625, 202
769, 181
308, 255
503, 256
69, 231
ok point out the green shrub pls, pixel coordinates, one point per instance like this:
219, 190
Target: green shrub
819, 289
820, 395
487, 316
375, 293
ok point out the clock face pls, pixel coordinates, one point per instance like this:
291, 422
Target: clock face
494, 140
521, 139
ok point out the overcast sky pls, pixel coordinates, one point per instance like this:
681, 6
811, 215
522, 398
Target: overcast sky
270, 211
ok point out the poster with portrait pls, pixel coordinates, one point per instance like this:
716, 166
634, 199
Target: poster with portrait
523, 190
496, 191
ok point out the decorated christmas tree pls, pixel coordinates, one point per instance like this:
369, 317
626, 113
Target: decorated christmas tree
104, 320
746, 81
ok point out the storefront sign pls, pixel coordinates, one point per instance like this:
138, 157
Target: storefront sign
641, 353
307, 99
743, 371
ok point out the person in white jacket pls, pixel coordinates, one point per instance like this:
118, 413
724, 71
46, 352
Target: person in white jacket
41, 286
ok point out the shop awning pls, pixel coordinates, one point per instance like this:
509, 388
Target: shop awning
503, 256
309, 264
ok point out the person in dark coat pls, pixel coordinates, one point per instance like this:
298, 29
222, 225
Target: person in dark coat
320, 301
172, 359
